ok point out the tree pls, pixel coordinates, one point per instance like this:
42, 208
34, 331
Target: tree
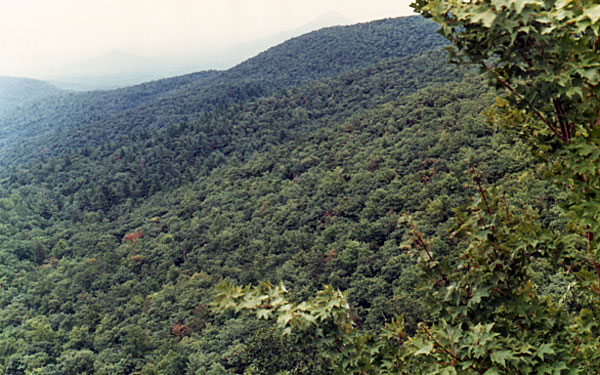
544, 54
488, 316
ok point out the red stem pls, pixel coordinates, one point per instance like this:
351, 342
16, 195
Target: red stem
437, 343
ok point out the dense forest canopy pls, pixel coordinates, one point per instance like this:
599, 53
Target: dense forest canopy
494, 301
121, 211
76, 120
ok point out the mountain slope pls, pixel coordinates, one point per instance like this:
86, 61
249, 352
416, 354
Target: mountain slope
112, 242
196, 146
111, 70
110, 254
113, 252
18, 91
24, 132
316, 55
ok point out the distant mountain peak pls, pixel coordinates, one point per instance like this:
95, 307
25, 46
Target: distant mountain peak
115, 55
115, 51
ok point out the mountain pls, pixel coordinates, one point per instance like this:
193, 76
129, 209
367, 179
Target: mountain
239, 52
122, 210
18, 91
116, 68
55, 125
111, 70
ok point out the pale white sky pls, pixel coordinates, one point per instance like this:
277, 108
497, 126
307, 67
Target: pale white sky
36, 35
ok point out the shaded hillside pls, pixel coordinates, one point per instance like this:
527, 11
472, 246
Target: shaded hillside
148, 160
18, 91
24, 132
79, 120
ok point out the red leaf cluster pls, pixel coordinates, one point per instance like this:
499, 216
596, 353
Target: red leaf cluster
179, 330
131, 237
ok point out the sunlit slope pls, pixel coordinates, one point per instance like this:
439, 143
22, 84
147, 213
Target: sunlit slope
115, 231
133, 167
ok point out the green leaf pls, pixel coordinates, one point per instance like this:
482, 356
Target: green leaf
520, 4
561, 4
486, 18
425, 350
284, 318
248, 303
501, 356
263, 313
543, 350
448, 371
593, 13
480, 293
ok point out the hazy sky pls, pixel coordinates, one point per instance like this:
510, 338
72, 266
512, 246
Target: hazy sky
37, 35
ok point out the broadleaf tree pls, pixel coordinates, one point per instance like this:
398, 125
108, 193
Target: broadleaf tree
487, 314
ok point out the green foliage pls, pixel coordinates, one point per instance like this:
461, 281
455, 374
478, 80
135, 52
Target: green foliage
79, 121
544, 53
486, 313
242, 176
273, 216
219, 176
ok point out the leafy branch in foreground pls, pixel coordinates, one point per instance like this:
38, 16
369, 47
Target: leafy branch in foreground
323, 322
487, 314
544, 54
489, 317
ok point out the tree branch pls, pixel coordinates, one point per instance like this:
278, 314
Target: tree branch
538, 114
437, 343
560, 115
506, 207
423, 245
482, 193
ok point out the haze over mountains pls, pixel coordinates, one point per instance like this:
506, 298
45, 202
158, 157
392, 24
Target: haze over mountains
117, 68
113, 69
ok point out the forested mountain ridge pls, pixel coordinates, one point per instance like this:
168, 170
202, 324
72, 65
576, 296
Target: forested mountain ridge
34, 122
94, 118
110, 250
180, 152
18, 91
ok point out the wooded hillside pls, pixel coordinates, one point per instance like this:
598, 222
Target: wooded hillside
121, 210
